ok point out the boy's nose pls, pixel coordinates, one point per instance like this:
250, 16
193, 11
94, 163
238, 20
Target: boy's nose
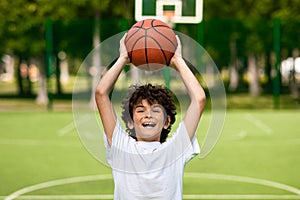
148, 113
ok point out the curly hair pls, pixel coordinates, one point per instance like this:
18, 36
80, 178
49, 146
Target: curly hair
154, 94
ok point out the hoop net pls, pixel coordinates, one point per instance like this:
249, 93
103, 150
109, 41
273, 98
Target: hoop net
168, 16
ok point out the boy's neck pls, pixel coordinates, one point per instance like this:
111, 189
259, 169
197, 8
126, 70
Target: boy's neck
156, 139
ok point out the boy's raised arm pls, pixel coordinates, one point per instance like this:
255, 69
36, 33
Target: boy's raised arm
104, 87
195, 92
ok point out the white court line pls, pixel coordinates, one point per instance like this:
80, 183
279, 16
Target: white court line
239, 136
66, 197
66, 129
259, 124
34, 142
239, 196
243, 179
56, 183
185, 196
72, 126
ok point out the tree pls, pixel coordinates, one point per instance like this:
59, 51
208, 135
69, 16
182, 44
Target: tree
234, 29
255, 33
22, 26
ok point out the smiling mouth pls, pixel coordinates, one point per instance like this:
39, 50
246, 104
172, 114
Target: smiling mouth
148, 124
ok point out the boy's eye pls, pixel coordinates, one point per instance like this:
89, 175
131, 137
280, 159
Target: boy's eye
156, 110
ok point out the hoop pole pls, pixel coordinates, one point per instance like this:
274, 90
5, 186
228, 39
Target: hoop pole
49, 61
276, 48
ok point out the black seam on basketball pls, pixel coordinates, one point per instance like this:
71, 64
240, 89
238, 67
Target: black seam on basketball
141, 26
130, 56
161, 49
164, 36
142, 23
152, 21
163, 52
155, 27
161, 25
138, 28
152, 25
131, 35
133, 45
145, 43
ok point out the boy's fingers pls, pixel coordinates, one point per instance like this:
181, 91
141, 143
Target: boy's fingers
178, 50
123, 38
123, 50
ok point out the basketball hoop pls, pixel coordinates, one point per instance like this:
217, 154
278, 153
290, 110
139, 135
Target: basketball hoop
170, 11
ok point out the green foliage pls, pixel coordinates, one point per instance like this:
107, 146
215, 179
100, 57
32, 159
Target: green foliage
22, 22
257, 16
247, 25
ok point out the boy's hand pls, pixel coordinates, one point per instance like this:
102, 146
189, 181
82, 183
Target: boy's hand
122, 49
177, 54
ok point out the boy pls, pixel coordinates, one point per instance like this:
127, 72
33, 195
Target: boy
145, 164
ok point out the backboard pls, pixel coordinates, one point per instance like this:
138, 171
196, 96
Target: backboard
171, 11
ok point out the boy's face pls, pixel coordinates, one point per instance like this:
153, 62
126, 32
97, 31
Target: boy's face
148, 121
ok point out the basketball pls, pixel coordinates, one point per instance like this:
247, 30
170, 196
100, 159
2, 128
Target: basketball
150, 44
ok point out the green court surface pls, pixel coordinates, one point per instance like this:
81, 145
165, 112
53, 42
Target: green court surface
256, 157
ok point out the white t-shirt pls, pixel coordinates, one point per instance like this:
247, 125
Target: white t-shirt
149, 170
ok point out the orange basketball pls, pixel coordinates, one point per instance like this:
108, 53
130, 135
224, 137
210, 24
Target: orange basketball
150, 44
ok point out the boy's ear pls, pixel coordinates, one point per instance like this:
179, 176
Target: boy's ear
130, 124
168, 122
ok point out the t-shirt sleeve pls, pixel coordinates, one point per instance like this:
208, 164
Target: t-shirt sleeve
189, 148
195, 149
119, 145
115, 138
